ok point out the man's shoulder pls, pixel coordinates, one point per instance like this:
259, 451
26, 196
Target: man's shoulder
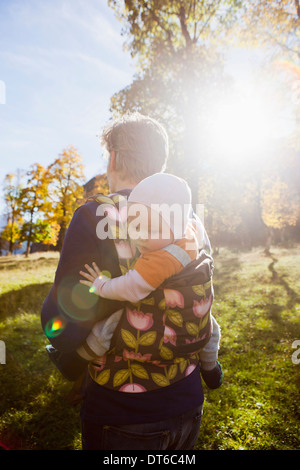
87, 216
86, 209
92, 202
102, 198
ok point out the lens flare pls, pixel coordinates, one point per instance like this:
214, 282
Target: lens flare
54, 327
81, 299
106, 274
289, 66
75, 300
92, 289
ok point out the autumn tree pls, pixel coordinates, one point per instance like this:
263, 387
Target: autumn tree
280, 207
280, 197
222, 193
11, 234
178, 45
12, 189
41, 231
65, 189
98, 184
274, 25
35, 203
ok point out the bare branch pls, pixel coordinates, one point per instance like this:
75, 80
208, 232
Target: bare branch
297, 5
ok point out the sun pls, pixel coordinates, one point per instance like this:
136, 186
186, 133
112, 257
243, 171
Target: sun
242, 126
247, 122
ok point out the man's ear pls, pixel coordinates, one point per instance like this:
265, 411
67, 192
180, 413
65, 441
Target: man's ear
112, 160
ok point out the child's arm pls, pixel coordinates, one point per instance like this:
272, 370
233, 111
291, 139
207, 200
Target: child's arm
131, 286
98, 341
211, 369
149, 272
209, 354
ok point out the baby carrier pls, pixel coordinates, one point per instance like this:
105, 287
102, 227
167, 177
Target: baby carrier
157, 340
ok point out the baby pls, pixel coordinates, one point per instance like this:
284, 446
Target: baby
162, 239
166, 244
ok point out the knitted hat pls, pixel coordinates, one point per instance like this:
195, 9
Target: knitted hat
167, 194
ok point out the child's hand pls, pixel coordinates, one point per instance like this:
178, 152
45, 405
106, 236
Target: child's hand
213, 377
92, 276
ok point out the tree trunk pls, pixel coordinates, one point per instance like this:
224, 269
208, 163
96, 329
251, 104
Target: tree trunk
27, 248
29, 236
11, 243
11, 247
61, 236
269, 240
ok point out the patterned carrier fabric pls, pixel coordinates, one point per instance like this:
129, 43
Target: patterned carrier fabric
157, 340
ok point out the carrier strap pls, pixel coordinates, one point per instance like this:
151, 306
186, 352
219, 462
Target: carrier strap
179, 253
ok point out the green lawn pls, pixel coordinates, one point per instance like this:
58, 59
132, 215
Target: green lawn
257, 304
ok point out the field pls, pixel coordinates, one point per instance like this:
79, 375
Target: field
257, 304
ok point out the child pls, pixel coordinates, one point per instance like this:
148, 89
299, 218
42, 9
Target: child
165, 248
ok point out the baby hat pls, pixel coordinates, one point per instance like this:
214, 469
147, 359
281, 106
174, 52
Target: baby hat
168, 193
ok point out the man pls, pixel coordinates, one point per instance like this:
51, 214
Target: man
137, 147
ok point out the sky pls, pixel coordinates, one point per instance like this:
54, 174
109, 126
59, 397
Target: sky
60, 63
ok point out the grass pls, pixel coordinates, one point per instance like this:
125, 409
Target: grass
34, 413
257, 304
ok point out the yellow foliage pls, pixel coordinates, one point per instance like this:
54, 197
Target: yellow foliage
279, 207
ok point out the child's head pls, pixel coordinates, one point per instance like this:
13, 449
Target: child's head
163, 204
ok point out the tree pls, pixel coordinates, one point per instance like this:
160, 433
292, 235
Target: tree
179, 49
98, 184
12, 234
280, 207
34, 202
221, 193
40, 231
163, 28
274, 25
65, 188
13, 202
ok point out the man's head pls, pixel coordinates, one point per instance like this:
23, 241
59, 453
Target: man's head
137, 146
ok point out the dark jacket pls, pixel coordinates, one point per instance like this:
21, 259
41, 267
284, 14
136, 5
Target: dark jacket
69, 303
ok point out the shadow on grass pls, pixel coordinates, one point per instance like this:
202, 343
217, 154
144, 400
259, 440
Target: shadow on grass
28, 299
279, 279
34, 410
52, 426
225, 272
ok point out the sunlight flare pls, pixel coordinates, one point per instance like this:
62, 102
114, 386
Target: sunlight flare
242, 127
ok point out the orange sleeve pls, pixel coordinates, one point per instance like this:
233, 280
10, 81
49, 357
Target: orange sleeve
157, 266
190, 246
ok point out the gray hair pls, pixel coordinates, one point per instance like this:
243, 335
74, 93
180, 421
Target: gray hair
140, 143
